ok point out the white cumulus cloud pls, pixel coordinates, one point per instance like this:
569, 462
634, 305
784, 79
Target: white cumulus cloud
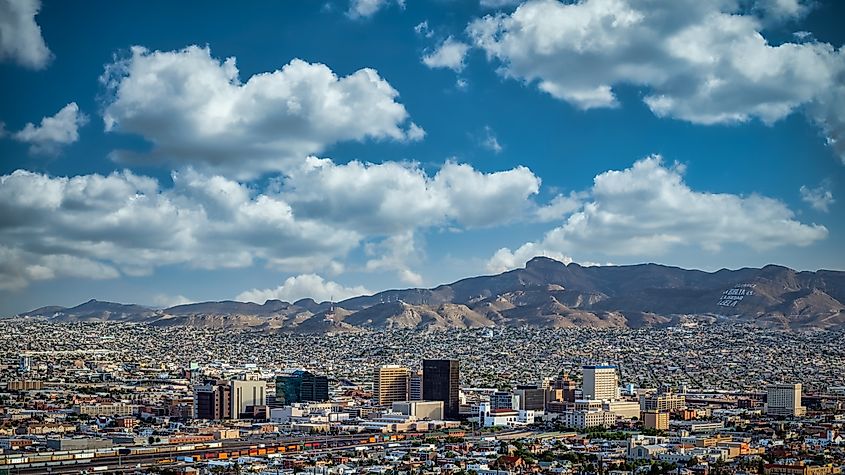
368, 8
648, 209
559, 207
490, 141
505, 259
702, 62
103, 226
19, 267
304, 222
167, 301
392, 197
195, 110
820, 197
422, 29
303, 286
395, 253
777, 11
20, 35
53, 132
449, 54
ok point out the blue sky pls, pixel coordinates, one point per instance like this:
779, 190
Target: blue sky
354, 146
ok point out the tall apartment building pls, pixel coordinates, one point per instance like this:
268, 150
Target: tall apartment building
416, 386
247, 393
391, 383
301, 386
213, 401
600, 382
441, 382
784, 400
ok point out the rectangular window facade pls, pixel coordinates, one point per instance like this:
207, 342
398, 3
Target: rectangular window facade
441, 382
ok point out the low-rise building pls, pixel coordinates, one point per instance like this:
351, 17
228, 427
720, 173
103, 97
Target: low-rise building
489, 417
582, 419
801, 469
106, 409
420, 409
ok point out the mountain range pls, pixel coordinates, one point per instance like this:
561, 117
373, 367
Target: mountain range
545, 293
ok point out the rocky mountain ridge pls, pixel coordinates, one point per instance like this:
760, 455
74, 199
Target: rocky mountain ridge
545, 293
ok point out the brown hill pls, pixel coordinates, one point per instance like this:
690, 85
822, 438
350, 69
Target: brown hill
546, 293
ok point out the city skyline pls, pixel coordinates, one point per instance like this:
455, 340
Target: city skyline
691, 399
333, 149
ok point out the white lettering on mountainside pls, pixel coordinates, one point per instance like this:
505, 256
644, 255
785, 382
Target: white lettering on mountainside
734, 295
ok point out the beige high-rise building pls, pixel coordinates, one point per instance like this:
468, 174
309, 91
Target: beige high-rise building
656, 420
247, 393
784, 400
600, 382
391, 383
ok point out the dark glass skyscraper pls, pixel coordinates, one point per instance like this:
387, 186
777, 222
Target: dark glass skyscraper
441, 382
301, 386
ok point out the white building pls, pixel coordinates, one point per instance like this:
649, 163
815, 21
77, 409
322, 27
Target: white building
582, 419
600, 382
308, 412
623, 409
247, 393
420, 409
697, 426
489, 417
784, 400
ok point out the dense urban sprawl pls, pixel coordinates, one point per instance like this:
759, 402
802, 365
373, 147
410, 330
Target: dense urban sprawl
695, 399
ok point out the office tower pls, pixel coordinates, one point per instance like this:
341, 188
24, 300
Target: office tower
391, 383
504, 400
247, 393
600, 382
784, 400
25, 363
441, 382
213, 401
301, 386
563, 389
531, 398
416, 391
656, 420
